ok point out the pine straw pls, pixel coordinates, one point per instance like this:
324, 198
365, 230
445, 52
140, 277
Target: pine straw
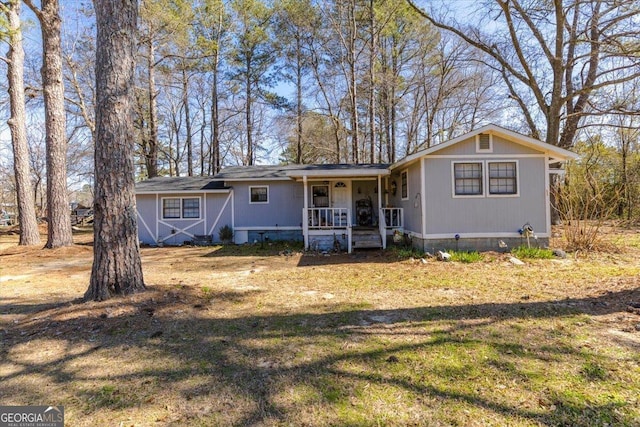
227, 336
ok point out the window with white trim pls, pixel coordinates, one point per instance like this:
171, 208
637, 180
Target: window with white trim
503, 178
191, 208
468, 179
181, 208
259, 194
404, 185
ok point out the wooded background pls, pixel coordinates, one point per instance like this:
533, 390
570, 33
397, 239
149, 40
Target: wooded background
241, 82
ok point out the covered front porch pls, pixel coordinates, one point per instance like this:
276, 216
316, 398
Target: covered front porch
347, 208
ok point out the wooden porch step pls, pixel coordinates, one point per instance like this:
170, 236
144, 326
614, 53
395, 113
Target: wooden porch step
366, 240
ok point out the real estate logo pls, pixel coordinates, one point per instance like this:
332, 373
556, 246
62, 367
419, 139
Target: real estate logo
31, 416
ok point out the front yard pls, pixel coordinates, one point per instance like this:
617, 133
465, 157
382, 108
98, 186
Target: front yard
250, 336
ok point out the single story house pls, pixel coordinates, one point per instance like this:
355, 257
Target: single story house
477, 191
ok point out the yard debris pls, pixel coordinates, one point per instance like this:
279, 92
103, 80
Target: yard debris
444, 256
559, 253
392, 359
515, 261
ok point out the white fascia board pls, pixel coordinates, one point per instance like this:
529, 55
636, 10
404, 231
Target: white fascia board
220, 191
340, 173
256, 179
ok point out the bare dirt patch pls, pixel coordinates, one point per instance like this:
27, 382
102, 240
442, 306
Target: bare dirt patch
243, 336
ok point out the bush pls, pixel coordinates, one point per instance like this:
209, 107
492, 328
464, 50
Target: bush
226, 233
532, 253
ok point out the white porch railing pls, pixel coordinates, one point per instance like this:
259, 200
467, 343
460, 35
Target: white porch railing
382, 227
393, 217
327, 218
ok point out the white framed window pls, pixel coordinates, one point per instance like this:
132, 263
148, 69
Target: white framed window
503, 178
484, 143
181, 208
320, 195
404, 185
259, 194
486, 178
467, 179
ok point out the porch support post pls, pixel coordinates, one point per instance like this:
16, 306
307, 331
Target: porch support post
379, 192
305, 218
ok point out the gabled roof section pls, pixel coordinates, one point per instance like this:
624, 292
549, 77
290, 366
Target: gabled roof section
288, 172
556, 153
179, 184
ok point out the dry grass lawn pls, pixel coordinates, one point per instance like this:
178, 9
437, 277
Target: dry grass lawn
250, 336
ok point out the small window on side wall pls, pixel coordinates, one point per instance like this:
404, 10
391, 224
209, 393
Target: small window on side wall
467, 179
404, 185
259, 194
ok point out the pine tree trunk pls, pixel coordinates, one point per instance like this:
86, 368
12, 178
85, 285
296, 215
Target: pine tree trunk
29, 234
58, 210
117, 269
151, 159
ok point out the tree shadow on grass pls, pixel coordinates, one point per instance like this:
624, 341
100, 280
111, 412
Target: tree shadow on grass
203, 354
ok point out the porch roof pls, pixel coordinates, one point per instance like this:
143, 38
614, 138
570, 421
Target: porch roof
287, 172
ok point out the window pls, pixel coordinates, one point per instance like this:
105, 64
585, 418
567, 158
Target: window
467, 179
503, 178
191, 208
259, 194
181, 208
320, 196
404, 185
484, 143
171, 208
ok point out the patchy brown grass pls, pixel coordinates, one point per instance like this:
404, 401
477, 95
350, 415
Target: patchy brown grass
244, 336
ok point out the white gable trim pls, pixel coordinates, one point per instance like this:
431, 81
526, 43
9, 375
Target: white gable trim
555, 152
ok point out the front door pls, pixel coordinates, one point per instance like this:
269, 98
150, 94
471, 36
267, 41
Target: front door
341, 195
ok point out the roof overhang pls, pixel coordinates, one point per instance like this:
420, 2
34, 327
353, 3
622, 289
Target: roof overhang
339, 173
178, 191
556, 154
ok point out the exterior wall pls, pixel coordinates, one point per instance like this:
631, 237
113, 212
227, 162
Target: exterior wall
279, 219
284, 208
215, 211
147, 217
488, 214
412, 205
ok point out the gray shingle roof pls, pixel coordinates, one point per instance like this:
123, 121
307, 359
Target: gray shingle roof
282, 171
241, 173
179, 183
